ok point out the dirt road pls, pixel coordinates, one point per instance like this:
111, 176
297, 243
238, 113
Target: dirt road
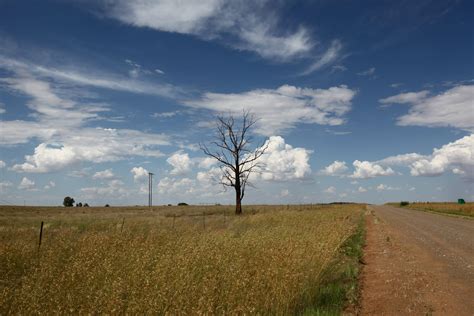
417, 263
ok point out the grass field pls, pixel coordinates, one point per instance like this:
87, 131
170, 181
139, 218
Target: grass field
447, 208
180, 260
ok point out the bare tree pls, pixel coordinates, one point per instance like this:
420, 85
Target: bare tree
232, 151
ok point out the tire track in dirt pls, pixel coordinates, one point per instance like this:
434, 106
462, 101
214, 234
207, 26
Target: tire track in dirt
417, 263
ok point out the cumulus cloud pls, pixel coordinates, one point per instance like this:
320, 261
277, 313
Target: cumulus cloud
206, 163
452, 108
330, 190
180, 162
282, 108
456, 157
282, 161
50, 185
367, 169
139, 173
2, 108
2, 164
337, 168
170, 186
383, 187
362, 189
26, 184
91, 145
252, 26
105, 174
112, 189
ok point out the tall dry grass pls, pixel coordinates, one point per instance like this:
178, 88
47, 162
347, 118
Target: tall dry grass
167, 262
445, 207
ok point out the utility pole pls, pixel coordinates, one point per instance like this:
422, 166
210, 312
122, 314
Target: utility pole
150, 189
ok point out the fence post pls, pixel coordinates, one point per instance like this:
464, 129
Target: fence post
123, 222
41, 235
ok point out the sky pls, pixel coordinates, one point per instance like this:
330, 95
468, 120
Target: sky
367, 101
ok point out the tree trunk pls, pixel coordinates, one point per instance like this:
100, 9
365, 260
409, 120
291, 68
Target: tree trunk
238, 202
238, 198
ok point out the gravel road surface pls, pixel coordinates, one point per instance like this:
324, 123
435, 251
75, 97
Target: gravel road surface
417, 263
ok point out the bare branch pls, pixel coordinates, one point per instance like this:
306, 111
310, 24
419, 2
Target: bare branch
232, 151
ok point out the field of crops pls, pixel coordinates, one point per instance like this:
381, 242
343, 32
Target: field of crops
175, 260
448, 208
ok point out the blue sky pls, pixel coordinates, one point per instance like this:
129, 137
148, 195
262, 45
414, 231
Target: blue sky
370, 102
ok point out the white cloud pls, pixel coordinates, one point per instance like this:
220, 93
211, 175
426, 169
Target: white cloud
330, 56
367, 73
165, 114
59, 119
452, 108
412, 189
284, 193
330, 190
139, 173
284, 107
283, 162
50, 185
211, 177
5, 185
113, 189
403, 98
383, 187
362, 189
2, 108
26, 184
171, 186
105, 174
367, 169
180, 162
337, 168
457, 156
91, 145
253, 26
400, 160
206, 163
96, 79
2, 164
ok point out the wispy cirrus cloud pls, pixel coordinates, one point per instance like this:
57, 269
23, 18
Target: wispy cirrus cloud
244, 25
97, 79
330, 56
60, 121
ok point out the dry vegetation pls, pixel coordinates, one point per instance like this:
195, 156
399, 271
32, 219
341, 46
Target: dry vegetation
171, 260
448, 208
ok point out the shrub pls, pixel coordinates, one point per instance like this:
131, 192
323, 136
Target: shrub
107, 205
68, 201
182, 204
404, 203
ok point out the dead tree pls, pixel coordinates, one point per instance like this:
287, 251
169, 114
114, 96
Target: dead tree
232, 150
